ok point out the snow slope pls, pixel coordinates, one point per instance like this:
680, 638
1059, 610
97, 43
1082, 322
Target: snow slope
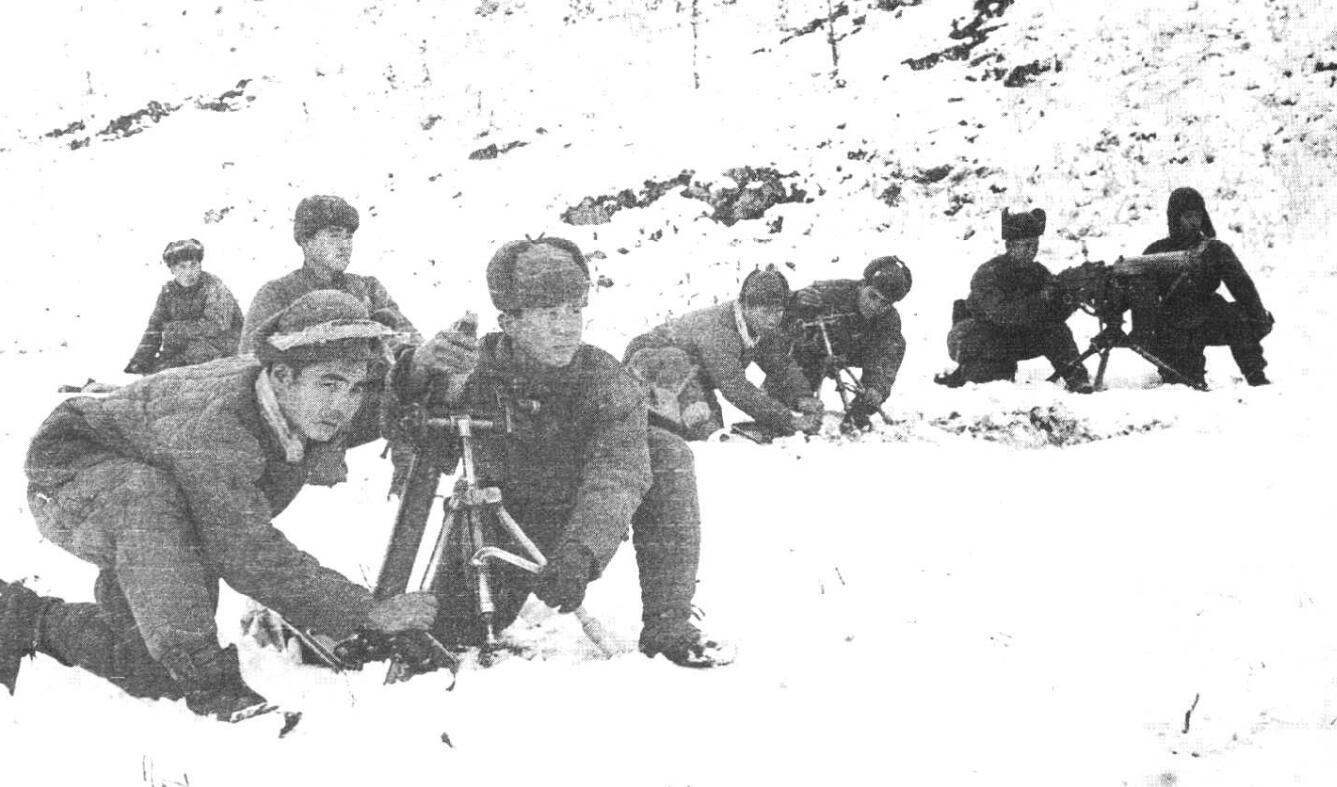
1008, 585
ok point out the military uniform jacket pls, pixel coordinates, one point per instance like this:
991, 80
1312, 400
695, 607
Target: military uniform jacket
190, 325
711, 337
1186, 297
577, 468
202, 426
1011, 296
278, 294
876, 344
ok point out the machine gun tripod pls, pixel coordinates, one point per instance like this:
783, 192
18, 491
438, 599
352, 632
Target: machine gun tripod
836, 367
1113, 335
474, 519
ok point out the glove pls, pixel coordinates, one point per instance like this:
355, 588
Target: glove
807, 298
809, 405
871, 398
449, 352
809, 424
404, 612
562, 582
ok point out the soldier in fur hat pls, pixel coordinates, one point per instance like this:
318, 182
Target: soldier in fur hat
716, 345
863, 326
581, 469
195, 319
170, 484
323, 227
1014, 312
1191, 314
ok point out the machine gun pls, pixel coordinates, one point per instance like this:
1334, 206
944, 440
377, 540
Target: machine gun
1107, 290
858, 414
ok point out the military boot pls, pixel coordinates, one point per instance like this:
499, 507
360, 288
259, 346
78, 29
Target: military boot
212, 684
20, 621
682, 643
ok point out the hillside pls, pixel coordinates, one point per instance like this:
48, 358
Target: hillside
1008, 585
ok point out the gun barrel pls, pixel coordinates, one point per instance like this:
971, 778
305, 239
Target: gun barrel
1167, 262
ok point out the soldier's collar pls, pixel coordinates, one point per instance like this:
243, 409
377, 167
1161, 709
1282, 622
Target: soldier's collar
293, 448
749, 341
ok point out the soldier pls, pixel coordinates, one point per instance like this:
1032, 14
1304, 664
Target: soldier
170, 484
196, 319
1191, 314
864, 329
579, 469
709, 350
1014, 312
323, 226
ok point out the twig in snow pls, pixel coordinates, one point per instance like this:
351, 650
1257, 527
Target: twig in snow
1188, 714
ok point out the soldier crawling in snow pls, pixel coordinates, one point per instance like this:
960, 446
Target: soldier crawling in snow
576, 472
323, 227
195, 319
863, 327
171, 483
1191, 314
683, 362
1014, 312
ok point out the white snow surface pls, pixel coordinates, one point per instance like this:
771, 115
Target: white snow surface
954, 599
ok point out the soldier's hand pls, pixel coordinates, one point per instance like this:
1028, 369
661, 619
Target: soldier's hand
810, 423
452, 352
809, 405
404, 612
562, 582
871, 397
807, 298
137, 366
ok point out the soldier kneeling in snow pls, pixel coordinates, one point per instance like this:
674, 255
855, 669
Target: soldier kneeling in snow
1191, 314
863, 327
171, 483
714, 346
195, 319
1014, 312
578, 469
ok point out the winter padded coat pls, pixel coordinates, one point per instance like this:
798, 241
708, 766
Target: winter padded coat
710, 336
278, 294
202, 427
876, 344
574, 470
190, 325
1185, 301
1012, 296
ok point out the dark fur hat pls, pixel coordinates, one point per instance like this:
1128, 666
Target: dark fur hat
1027, 224
317, 212
890, 276
534, 274
183, 250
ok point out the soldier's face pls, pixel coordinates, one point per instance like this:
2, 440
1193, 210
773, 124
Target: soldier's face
186, 273
872, 303
1190, 222
548, 336
763, 319
321, 399
330, 249
1023, 250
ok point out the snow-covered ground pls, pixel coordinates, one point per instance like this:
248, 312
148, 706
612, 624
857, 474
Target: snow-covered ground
1009, 585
